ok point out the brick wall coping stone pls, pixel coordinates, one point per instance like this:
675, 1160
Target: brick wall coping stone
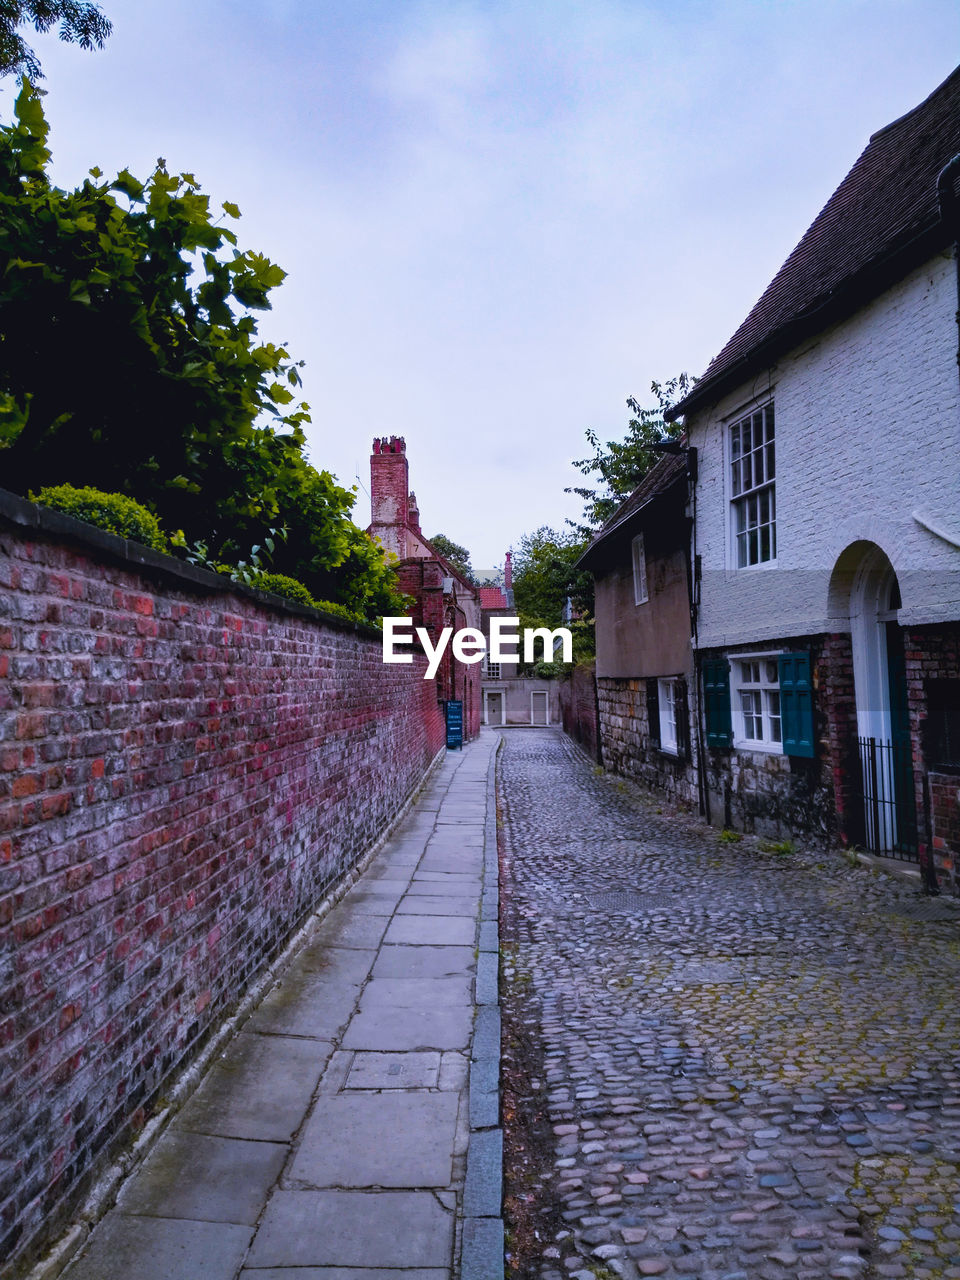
23, 514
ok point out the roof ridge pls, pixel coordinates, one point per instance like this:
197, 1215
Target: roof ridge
913, 110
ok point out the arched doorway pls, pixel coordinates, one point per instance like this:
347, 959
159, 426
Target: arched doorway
880, 690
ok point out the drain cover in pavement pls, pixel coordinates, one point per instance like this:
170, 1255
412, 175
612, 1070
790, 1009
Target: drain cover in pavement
624, 901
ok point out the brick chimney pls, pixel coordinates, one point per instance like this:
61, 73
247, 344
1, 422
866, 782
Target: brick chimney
389, 500
413, 514
508, 572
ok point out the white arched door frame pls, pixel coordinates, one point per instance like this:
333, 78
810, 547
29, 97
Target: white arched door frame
872, 597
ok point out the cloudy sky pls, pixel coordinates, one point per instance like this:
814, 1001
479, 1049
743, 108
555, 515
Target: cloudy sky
499, 218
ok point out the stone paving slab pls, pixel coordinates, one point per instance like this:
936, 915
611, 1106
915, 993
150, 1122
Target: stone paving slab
386, 1029
410, 961
471, 879
431, 931
124, 1247
260, 1089
354, 1229
372, 902
462, 861
426, 905
344, 1273
384, 1140
348, 965
344, 928
394, 1071
446, 887
416, 993
305, 1003
208, 1179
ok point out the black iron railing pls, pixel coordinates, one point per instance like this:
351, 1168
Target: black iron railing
889, 799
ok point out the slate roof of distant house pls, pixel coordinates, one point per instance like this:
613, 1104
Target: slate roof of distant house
492, 598
663, 475
885, 207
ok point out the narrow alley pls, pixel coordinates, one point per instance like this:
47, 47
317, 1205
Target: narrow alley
724, 1060
350, 1129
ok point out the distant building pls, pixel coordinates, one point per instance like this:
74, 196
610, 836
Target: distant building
644, 664
443, 597
509, 697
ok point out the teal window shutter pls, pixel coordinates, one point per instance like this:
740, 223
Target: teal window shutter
716, 699
796, 704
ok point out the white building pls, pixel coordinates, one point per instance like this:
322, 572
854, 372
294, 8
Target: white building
827, 517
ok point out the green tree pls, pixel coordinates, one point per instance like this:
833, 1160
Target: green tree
130, 362
545, 577
457, 556
619, 465
80, 22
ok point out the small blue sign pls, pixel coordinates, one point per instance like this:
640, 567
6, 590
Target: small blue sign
454, 713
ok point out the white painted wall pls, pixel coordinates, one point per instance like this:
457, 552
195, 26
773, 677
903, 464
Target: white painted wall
867, 436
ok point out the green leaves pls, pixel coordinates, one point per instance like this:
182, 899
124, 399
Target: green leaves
143, 308
128, 184
620, 465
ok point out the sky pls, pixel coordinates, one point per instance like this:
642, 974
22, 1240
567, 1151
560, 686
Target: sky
499, 219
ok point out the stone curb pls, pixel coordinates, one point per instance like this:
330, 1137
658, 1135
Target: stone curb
105, 1190
481, 1254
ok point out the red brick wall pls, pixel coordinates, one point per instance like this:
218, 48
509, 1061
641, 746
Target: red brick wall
578, 707
423, 579
184, 772
932, 657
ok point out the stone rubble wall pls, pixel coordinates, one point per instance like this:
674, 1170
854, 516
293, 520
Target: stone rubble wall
186, 769
627, 745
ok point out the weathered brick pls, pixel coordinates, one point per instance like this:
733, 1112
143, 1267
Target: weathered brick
188, 774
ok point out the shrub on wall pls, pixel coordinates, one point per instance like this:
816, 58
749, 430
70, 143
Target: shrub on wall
283, 585
114, 512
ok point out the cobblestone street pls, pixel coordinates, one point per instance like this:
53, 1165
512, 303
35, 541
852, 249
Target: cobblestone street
750, 1056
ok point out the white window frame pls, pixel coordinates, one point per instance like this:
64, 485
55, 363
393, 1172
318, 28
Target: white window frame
667, 699
491, 670
640, 595
755, 500
768, 702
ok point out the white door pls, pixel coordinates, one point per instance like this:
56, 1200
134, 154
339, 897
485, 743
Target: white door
538, 707
494, 703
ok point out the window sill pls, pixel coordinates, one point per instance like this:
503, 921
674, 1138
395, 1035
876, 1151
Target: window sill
762, 567
767, 748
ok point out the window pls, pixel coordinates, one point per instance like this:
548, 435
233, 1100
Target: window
667, 697
752, 476
639, 571
756, 702
761, 701
492, 669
